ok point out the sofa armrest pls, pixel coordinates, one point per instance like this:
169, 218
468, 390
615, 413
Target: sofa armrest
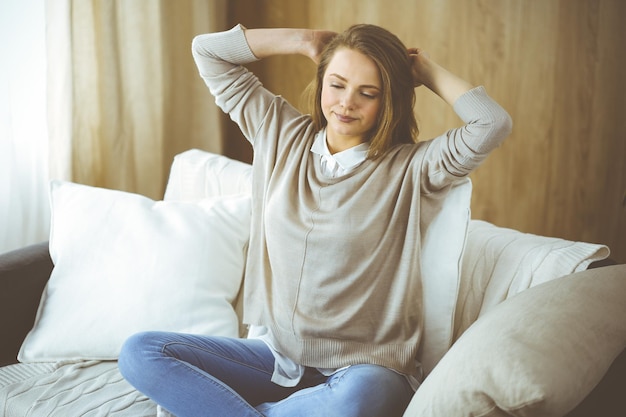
23, 276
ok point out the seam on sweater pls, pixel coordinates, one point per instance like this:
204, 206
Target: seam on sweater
303, 261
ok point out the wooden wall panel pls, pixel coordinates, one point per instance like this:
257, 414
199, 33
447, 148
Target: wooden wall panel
557, 66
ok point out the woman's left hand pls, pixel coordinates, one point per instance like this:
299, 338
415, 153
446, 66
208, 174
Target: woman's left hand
419, 60
439, 80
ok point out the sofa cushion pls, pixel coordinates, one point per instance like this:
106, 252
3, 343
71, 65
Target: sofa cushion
124, 263
537, 354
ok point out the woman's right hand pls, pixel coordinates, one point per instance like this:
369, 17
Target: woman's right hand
319, 40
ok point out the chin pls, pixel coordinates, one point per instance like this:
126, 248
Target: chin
345, 130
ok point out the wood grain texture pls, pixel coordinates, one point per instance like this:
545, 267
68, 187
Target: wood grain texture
557, 66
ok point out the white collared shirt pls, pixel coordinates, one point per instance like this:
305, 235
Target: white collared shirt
340, 163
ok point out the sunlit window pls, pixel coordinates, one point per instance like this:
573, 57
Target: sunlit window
24, 212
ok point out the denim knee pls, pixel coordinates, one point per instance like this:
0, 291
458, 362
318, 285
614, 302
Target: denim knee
134, 356
372, 390
359, 390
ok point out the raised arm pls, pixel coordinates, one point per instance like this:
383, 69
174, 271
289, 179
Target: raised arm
221, 59
268, 42
487, 123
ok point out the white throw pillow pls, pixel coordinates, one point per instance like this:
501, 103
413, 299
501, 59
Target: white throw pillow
200, 174
536, 354
442, 245
124, 263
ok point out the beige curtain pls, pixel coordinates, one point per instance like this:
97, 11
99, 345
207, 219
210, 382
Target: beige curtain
125, 95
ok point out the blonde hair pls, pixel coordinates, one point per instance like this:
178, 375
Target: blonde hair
396, 122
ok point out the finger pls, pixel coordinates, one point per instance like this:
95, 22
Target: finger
421, 52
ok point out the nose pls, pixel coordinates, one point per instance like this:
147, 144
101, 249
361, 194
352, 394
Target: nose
347, 100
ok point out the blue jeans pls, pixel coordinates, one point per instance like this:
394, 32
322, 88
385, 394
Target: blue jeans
196, 376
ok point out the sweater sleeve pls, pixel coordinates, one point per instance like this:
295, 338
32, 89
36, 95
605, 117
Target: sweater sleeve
459, 151
220, 57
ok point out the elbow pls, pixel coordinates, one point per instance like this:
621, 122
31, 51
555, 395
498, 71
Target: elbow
497, 130
195, 46
506, 125
502, 126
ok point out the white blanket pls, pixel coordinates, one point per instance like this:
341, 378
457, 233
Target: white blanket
65, 389
499, 263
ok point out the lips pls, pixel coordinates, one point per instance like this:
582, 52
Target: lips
344, 119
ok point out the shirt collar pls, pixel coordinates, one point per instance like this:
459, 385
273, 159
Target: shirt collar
348, 159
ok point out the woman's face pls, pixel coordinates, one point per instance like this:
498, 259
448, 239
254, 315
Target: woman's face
351, 98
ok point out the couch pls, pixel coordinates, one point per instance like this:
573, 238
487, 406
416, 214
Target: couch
536, 325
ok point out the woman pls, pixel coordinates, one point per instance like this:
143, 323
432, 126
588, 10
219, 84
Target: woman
332, 287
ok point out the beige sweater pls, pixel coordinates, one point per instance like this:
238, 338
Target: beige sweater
333, 264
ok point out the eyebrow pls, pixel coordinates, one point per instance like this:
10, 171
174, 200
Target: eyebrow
361, 86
